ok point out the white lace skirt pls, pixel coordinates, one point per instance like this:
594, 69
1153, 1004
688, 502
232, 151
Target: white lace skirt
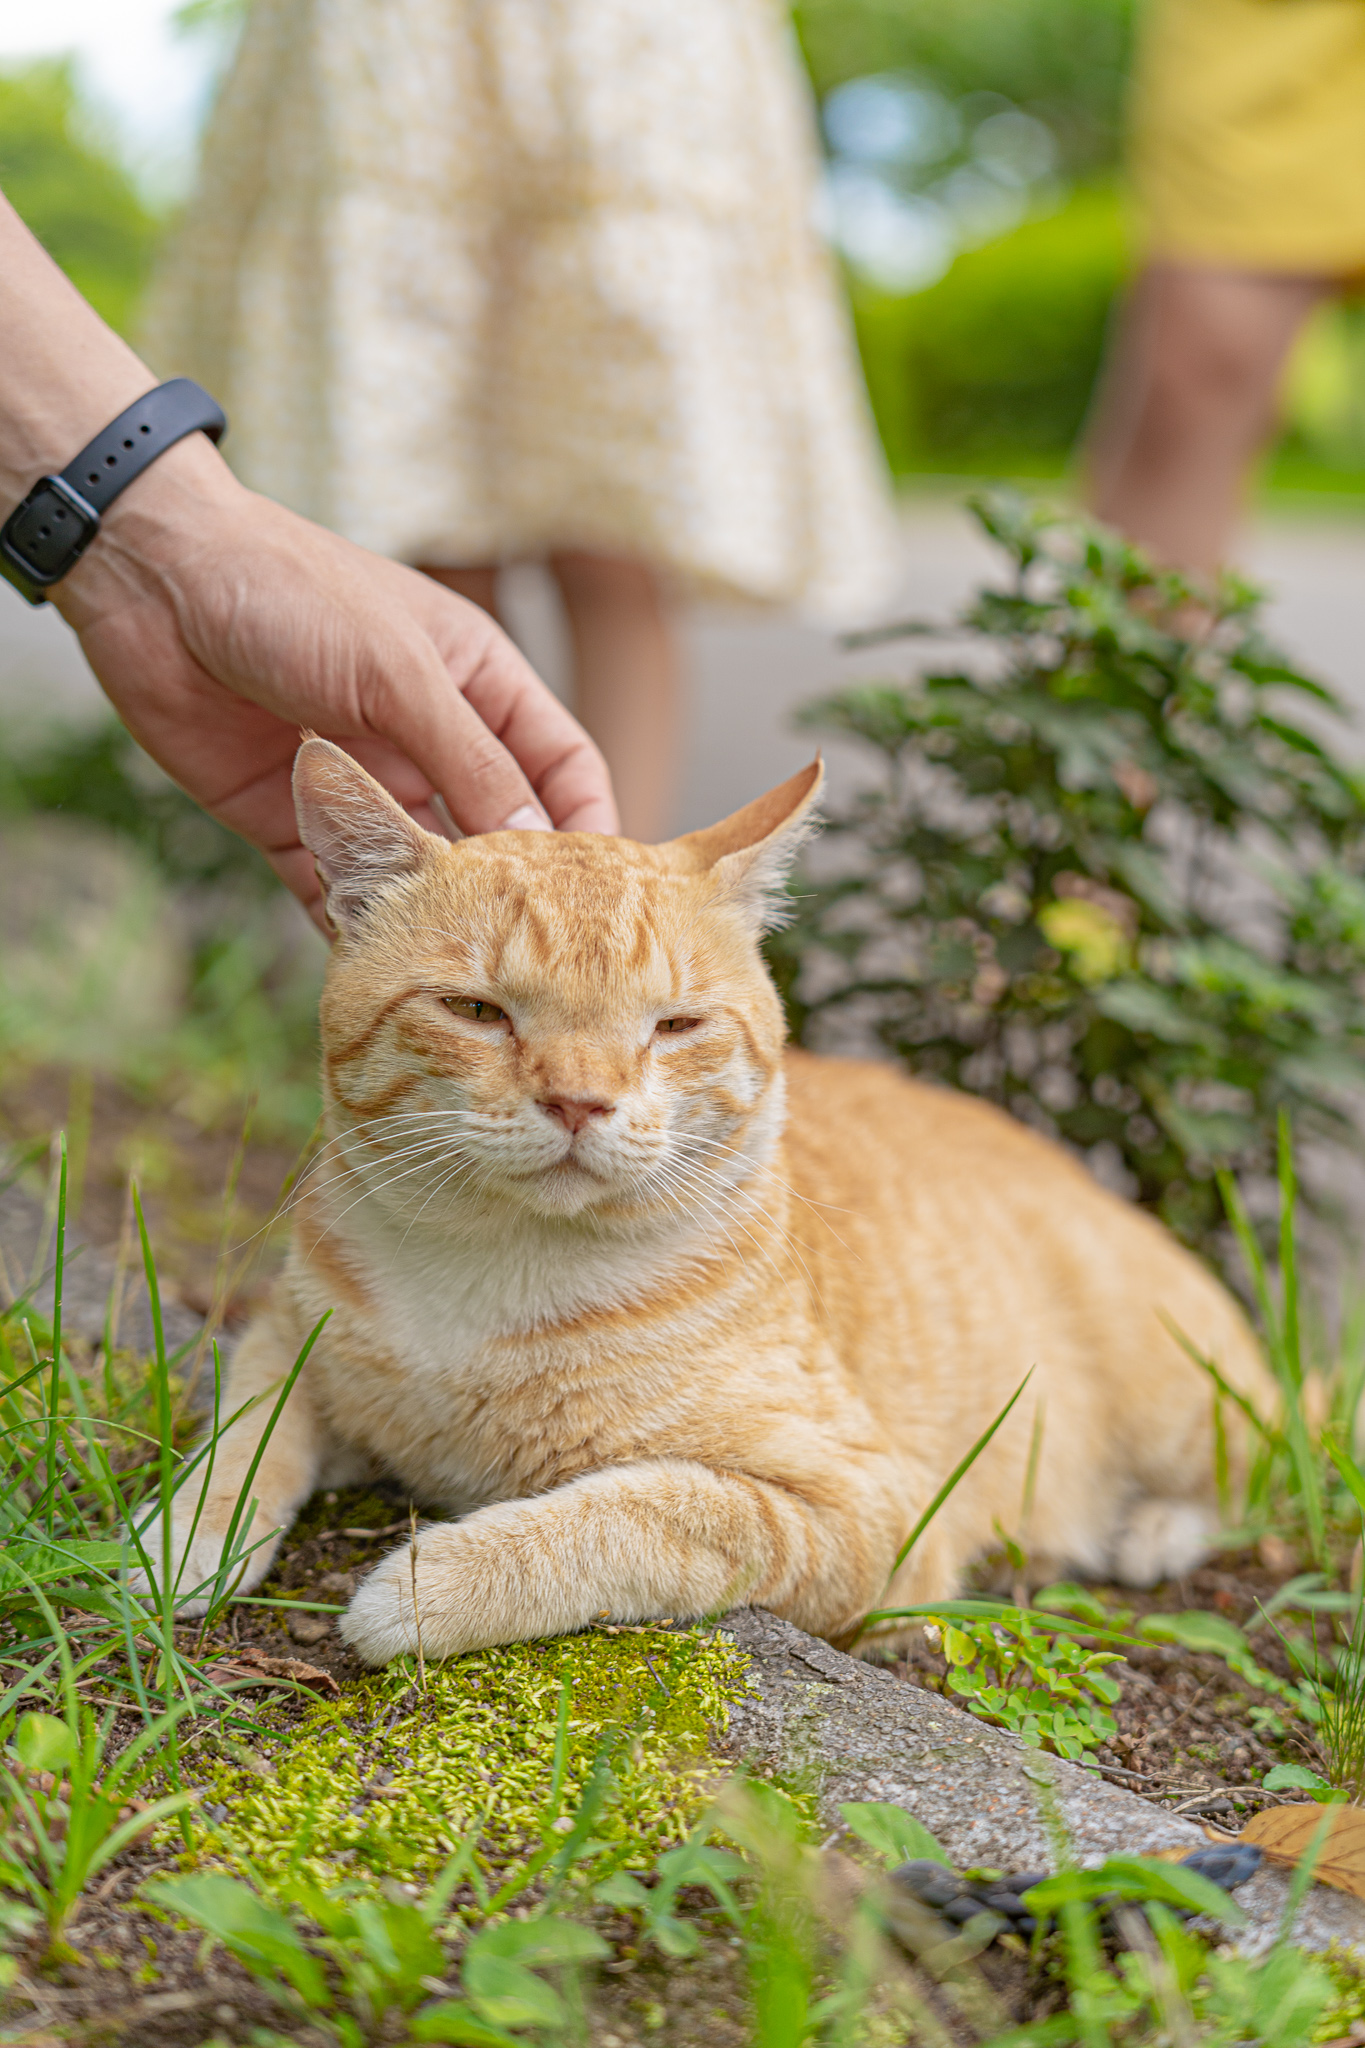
479, 279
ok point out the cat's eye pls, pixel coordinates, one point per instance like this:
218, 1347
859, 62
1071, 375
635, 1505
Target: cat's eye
671, 1027
475, 1007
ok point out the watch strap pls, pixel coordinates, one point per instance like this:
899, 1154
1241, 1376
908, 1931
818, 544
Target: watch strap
46, 535
146, 429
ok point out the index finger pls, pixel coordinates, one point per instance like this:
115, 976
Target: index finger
566, 770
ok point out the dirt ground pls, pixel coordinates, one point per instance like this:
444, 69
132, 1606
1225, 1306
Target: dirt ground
1188, 1738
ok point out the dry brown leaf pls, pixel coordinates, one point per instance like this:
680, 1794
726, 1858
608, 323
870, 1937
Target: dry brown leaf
249, 1662
1283, 1834
291, 1667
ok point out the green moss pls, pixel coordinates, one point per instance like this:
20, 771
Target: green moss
480, 1751
1346, 1968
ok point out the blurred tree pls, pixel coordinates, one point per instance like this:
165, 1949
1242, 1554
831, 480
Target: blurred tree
68, 184
1063, 61
972, 189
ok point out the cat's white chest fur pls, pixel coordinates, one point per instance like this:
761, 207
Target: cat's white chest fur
456, 1295
480, 1320
486, 1381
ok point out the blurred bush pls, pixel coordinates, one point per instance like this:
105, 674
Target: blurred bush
1110, 880
992, 367
972, 189
1324, 437
66, 181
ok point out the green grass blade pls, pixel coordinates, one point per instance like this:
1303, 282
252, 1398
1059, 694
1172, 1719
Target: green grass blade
58, 1281
1260, 1282
958, 1473
1289, 1268
245, 1498
1347, 1467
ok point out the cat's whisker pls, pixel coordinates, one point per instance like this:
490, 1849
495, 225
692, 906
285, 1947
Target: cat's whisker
352, 1172
420, 1166
442, 1183
682, 1177
793, 1245
697, 1260
306, 1183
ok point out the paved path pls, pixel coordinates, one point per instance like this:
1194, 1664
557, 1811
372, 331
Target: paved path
750, 672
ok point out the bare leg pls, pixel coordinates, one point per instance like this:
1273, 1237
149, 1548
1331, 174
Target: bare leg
625, 680
480, 586
1187, 401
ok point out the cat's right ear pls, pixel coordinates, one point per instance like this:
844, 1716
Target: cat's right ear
751, 853
360, 839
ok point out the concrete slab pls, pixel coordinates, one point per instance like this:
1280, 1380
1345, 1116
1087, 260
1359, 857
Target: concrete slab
866, 1735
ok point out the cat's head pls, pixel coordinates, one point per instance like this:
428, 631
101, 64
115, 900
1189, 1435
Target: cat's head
574, 1024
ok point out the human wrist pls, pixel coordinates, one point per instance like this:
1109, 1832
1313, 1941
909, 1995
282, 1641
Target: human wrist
173, 512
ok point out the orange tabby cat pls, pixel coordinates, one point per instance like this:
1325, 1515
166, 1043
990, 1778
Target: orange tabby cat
662, 1316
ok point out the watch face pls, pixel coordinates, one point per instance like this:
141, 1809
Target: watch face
49, 532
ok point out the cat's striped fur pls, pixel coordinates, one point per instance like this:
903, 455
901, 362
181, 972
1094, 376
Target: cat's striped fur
656, 1315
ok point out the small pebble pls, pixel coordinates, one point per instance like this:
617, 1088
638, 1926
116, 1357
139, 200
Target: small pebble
309, 1628
963, 1909
1228, 1866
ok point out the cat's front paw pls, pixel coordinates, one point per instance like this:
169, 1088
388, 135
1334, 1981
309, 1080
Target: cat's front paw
452, 1585
385, 1615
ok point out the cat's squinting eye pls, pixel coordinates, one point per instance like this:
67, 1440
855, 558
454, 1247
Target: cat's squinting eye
475, 1007
669, 1027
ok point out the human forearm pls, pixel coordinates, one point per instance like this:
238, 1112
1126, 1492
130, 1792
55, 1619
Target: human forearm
63, 373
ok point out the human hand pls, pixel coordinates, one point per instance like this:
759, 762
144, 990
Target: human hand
219, 624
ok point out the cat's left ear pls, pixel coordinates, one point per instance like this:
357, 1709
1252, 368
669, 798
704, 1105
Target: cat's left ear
751, 852
360, 839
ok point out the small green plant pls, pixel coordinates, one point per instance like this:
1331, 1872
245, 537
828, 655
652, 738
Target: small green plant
695, 1862
66, 1798
1045, 1687
338, 1959
89, 1465
1341, 1715
890, 1832
1110, 881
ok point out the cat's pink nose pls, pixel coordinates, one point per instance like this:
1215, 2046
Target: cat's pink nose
574, 1111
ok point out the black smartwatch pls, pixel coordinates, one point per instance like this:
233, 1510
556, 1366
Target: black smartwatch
45, 536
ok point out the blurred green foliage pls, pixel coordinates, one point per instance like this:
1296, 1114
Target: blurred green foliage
1063, 61
99, 773
992, 367
68, 184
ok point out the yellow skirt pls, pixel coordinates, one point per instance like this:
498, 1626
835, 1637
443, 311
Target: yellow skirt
1249, 134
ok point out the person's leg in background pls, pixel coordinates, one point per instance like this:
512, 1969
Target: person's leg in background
480, 586
625, 673
626, 680
1187, 402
